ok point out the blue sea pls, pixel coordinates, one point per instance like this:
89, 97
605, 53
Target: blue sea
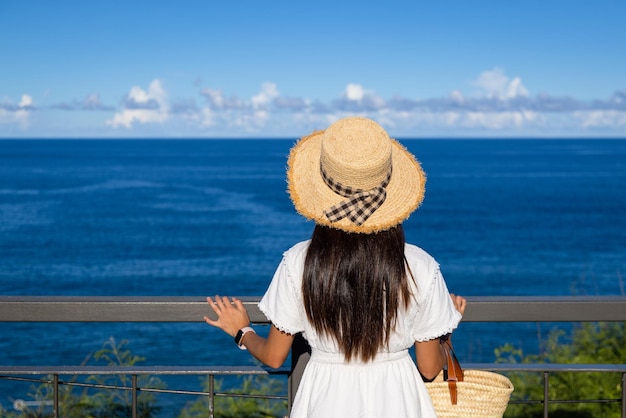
205, 217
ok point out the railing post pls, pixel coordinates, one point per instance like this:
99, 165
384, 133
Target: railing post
546, 385
623, 395
300, 355
134, 407
55, 395
211, 396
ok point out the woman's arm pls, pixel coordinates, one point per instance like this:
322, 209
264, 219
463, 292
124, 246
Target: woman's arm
232, 316
271, 351
429, 355
430, 358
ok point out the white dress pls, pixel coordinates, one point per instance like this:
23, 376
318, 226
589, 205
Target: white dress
390, 385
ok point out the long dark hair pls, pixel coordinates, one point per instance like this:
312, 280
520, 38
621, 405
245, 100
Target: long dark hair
353, 285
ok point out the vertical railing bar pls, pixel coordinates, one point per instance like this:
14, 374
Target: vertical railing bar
624, 395
211, 395
134, 407
55, 395
546, 383
290, 394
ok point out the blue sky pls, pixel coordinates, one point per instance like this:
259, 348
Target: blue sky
282, 69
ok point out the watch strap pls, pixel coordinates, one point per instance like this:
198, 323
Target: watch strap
240, 334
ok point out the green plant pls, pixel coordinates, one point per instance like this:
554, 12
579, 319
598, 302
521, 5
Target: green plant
84, 402
590, 343
117, 403
73, 402
239, 407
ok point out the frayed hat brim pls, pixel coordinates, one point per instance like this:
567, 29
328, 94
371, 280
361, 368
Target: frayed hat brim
311, 196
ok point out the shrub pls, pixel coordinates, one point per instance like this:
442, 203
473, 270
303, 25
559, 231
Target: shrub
238, 407
590, 343
84, 402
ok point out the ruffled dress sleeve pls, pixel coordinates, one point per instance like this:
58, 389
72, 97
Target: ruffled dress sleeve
436, 314
282, 303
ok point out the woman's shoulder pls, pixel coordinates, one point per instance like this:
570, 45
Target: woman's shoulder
297, 249
296, 254
415, 253
422, 264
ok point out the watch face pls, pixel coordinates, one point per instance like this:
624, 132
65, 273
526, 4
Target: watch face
238, 337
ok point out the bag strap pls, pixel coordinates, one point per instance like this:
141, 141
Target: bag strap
454, 372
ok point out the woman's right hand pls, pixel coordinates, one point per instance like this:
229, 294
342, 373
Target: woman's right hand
231, 316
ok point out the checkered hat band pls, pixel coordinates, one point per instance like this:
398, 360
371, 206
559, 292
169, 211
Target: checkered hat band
359, 205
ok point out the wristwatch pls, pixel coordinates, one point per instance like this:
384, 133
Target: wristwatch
240, 335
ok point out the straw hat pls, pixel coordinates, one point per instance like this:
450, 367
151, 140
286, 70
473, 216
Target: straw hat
353, 177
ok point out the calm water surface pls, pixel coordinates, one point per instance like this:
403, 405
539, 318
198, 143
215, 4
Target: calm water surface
196, 218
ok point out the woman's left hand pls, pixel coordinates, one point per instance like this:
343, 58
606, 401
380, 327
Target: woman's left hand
459, 302
231, 317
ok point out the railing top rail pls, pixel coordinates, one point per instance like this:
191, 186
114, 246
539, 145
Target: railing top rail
234, 370
140, 370
192, 309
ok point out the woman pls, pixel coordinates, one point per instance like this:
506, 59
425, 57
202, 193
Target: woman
360, 295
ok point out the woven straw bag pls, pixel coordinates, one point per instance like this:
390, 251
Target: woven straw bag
462, 393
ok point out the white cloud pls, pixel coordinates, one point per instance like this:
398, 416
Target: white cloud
472, 122
207, 117
503, 106
602, 119
244, 115
215, 97
268, 93
26, 101
355, 98
23, 113
90, 103
495, 84
142, 106
500, 120
456, 96
18, 114
217, 101
354, 92
515, 89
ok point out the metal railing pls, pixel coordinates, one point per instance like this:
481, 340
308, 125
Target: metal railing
191, 309
54, 373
